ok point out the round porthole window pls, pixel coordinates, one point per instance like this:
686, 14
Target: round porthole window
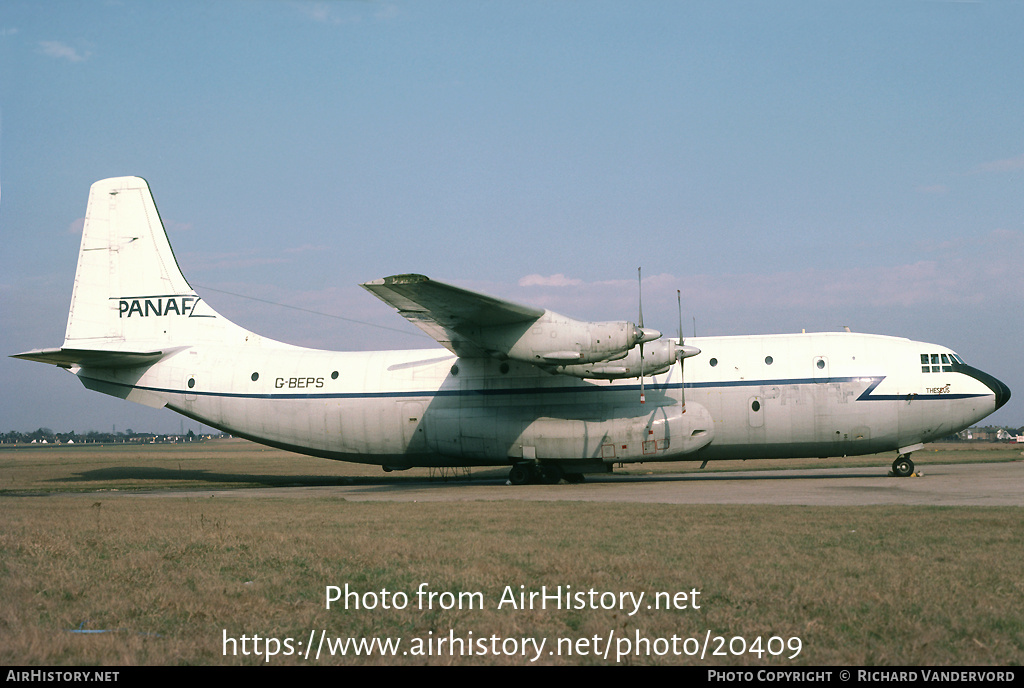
820, 364
255, 377
334, 375
756, 406
191, 382
455, 370
768, 360
713, 362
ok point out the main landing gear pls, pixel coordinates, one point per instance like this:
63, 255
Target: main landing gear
541, 473
903, 467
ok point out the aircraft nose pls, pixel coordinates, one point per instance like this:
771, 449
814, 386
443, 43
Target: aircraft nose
1001, 391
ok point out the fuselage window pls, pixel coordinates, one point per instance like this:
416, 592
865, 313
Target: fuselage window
713, 362
768, 360
255, 377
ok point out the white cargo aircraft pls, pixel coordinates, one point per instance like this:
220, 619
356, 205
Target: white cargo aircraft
516, 386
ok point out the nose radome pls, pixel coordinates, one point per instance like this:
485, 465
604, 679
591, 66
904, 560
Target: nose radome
1001, 391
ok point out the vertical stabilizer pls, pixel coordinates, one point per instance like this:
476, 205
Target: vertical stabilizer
129, 291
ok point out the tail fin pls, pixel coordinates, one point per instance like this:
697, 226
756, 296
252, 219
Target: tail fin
129, 291
131, 305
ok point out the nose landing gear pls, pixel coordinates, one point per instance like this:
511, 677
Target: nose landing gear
903, 467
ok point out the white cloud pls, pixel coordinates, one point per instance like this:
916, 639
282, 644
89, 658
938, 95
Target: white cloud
558, 280
1005, 165
305, 248
348, 13
319, 12
965, 274
62, 51
387, 12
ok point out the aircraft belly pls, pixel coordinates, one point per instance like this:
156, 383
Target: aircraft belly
503, 434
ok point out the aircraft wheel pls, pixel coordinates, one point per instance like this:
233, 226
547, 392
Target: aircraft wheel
550, 474
903, 467
520, 474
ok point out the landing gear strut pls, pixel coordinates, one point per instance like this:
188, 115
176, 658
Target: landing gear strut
549, 474
903, 467
544, 473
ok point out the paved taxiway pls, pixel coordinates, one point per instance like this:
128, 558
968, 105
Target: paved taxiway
977, 484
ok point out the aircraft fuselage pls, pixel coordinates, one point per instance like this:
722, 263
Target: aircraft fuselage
824, 394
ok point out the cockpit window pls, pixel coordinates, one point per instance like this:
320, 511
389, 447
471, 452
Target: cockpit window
938, 363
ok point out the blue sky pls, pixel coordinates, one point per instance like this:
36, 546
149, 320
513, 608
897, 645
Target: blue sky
787, 165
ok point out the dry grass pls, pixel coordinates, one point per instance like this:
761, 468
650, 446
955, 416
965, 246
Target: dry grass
168, 576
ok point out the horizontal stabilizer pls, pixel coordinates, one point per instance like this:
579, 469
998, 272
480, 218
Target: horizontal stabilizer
92, 358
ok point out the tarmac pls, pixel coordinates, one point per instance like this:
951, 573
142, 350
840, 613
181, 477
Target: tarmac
975, 484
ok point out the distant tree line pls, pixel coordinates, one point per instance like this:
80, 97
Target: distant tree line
48, 436
987, 433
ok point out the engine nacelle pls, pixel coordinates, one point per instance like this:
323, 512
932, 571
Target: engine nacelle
554, 339
658, 358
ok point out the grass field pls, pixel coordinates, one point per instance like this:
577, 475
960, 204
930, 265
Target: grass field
83, 548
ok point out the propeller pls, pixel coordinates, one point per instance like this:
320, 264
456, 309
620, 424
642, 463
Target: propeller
643, 334
640, 300
682, 392
683, 352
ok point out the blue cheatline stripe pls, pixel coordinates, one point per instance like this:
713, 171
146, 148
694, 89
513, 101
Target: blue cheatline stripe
866, 395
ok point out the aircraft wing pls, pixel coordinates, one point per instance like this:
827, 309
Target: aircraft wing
455, 317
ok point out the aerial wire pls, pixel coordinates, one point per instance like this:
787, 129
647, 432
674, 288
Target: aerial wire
307, 310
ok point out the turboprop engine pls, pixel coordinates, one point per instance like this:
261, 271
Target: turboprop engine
554, 339
657, 358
